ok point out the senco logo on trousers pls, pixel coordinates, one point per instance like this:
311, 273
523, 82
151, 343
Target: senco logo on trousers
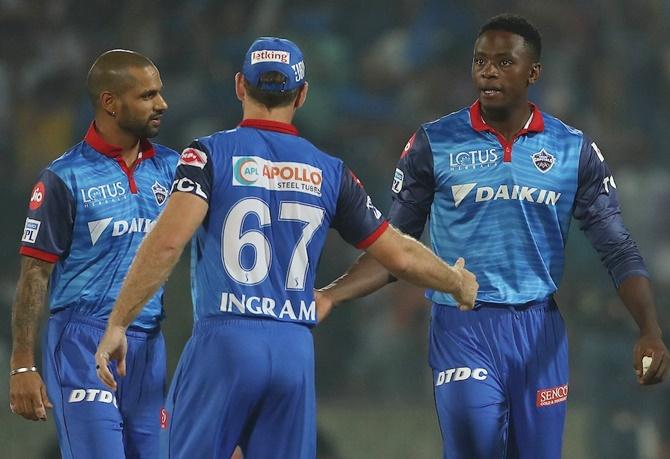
460, 374
276, 176
92, 395
504, 192
552, 396
103, 194
119, 228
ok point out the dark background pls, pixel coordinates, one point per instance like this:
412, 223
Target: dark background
377, 69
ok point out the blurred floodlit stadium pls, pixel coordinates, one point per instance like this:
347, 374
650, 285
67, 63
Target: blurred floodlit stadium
377, 69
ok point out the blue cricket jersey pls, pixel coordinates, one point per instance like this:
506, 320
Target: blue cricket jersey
506, 207
272, 197
88, 214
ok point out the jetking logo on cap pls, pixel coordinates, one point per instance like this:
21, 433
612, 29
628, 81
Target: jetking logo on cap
279, 176
270, 55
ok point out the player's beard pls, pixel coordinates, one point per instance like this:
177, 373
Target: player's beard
140, 128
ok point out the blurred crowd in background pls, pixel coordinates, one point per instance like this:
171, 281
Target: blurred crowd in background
377, 70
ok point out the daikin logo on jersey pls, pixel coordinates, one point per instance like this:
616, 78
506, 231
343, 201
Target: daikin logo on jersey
279, 308
279, 176
120, 227
504, 192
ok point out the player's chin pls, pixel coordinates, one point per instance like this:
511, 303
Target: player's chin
150, 131
494, 103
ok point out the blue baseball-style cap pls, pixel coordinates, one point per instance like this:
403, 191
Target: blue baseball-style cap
268, 54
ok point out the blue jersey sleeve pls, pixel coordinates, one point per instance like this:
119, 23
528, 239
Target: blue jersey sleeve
47, 233
413, 186
194, 172
356, 219
597, 209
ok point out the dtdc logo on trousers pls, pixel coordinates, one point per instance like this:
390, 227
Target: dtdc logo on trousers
460, 374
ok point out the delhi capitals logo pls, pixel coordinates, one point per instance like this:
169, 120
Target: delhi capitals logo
543, 161
246, 171
160, 193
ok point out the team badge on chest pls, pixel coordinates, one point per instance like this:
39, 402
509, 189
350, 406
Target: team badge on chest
543, 160
160, 193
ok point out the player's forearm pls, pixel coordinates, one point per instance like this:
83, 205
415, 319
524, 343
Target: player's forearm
424, 269
364, 277
408, 259
27, 310
636, 294
150, 269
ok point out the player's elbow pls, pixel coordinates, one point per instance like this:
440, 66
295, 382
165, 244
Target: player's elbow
400, 264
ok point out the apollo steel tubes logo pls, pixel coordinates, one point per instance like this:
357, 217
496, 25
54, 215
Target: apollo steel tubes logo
277, 176
246, 171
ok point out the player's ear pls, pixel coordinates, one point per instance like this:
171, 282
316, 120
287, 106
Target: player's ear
302, 96
534, 74
109, 103
240, 91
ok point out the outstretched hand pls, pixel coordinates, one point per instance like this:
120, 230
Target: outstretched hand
468, 287
651, 346
113, 346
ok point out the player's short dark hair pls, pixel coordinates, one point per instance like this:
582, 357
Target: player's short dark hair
271, 99
517, 25
109, 72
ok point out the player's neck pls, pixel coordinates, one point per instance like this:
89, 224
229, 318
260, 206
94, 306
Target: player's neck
113, 135
507, 121
257, 112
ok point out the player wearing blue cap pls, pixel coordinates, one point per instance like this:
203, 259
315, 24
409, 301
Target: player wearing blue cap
88, 213
501, 181
259, 200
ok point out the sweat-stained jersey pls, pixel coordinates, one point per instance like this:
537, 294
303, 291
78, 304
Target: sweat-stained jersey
88, 214
272, 197
506, 207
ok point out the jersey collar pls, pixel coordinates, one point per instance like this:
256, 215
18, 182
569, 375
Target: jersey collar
269, 125
95, 140
534, 124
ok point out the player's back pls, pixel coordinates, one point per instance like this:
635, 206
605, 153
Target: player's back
272, 197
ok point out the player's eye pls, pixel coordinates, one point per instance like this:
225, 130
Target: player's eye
478, 61
506, 62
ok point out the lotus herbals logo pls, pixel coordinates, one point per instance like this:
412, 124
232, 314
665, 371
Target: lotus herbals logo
246, 171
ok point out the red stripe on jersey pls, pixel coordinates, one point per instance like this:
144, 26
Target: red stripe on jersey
367, 242
39, 254
269, 125
95, 140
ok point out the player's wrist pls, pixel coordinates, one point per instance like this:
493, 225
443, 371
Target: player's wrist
456, 280
326, 294
653, 330
22, 360
20, 370
116, 327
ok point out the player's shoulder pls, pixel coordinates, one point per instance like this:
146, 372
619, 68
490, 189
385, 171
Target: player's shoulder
457, 119
162, 150
165, 154
70, 160
209, 143
560, 129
